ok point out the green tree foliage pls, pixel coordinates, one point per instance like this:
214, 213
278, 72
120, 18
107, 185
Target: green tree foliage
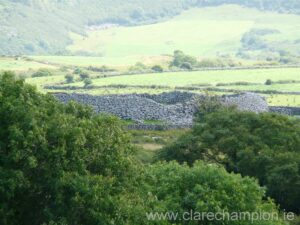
42, 73
157, 68
181, 60
206, 188
87, 82
59, 163
63, 164
263, 145
84, 75
268, 82
138, 67
69, 78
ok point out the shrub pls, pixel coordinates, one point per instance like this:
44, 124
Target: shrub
138, 67
77, 71
42, 73
69, 78
157, 68
87, 82
186, 65
84, 75
180, 58
268, 82
211, 63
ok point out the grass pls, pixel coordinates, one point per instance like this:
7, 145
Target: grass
119, 63
274, 87
193, 78
149, 142
190, 79
20, 64
283, 100
199, 32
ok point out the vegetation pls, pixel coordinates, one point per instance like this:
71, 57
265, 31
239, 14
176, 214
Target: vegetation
231, 23
42, 73
281, 92
69, 78
157, 68
183, 61
87, 82
65, 17
265, 146
62, 164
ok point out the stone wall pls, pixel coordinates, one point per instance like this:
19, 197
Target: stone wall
173, 108
292, 111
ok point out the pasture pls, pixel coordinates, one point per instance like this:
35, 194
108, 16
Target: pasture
216, 82
201, 32
20, 64
214, 77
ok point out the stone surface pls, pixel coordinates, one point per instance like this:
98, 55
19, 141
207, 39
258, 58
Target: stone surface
174, 108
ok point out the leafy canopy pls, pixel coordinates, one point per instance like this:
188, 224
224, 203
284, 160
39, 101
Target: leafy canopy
265, 146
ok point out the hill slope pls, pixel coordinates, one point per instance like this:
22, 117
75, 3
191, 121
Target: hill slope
44, 26
200, 32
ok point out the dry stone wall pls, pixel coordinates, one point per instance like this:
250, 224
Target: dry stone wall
173, 108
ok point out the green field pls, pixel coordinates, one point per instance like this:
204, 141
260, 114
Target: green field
119, 63
20, 64
201, 77
199, 32
163, 82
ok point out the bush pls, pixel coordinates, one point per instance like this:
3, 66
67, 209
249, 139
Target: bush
157, 68
42, 73
87, 82
268, 82
77, 71
84, 75
138, 67
211, 63
180, 58
186, 65
69, 78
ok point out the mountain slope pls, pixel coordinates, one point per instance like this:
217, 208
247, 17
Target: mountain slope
44, 26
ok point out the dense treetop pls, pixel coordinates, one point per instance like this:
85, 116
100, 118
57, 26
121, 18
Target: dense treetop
62, 164
265, 146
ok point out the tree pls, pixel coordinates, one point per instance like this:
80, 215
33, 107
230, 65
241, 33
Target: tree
206, 188
157, 68
69, 78
268, 82
87, 82
84, 75
42, 73
64, 164
251, 144
180, 59
59, 163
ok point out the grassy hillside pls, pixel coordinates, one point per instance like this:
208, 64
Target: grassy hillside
44, 26
200, 32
